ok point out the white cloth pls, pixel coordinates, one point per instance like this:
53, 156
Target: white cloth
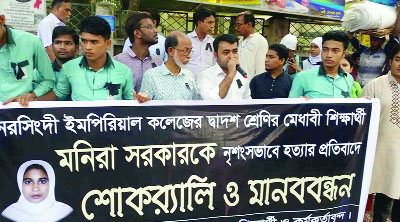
314, 61
369, 15
208, 84
203, 53
252, 53
290, 41
386, 171
155, 50
48, 210
46, 27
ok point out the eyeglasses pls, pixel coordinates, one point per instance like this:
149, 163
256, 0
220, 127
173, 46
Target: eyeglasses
186, 51
239, 24
148, 27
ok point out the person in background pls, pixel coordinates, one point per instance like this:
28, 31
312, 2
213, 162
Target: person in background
222, 81
143, 34
292, 64
329, 80
356, 58
157, 49
253, 47
314, 59
386, 171
203, 53
274, 83
347, 64
171, 80
20, 54
60, 12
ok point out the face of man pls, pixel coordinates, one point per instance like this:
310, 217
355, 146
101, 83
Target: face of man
64, 48
182, 52
147, 32
395, 66
332, 53
226, 51
345, 65
94, 46
376, 43
241, 27
63, 11
272, 61
206, 26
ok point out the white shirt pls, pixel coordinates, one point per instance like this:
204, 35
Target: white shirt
155, 50
203, 55
252, 53
46, 27
208, 84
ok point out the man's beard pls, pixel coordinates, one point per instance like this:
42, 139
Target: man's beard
177, 61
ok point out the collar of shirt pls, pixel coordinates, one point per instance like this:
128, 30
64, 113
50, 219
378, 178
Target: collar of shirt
56, 67
55, 19
341, 72
195, 36
133, 54
269, 74
108, 64
217, 70
165, 71
10, 39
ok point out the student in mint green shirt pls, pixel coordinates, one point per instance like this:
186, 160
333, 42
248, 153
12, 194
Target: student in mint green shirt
20, 54
94, 76
329, 80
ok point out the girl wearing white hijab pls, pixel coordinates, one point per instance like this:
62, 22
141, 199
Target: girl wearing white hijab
314, 59
292, 63
37, 203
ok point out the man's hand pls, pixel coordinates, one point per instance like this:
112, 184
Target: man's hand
141, 97
232, 66
23, 99
294, 65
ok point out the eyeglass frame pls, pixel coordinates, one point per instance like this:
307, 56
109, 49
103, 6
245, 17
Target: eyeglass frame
183, 51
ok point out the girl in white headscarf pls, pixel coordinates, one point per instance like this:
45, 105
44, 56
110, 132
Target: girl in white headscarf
292, 63
37, 202
314, 59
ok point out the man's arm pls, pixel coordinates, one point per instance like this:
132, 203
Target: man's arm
260, 57
297, 87
127, 90
394, 37
50, 52
205, 86
356, 44
227, 81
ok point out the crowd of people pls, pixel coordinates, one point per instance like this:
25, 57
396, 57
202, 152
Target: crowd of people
197, 66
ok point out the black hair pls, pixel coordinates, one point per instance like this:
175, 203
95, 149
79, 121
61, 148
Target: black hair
96, 26
249, 17
35, 166
281, 50
133, 23
201, 14
65, 30
338, 36
224, 38
58, 2
395, 50
350, 59
171, 41
154, 15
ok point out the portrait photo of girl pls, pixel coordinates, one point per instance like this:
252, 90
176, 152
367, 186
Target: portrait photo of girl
37, 202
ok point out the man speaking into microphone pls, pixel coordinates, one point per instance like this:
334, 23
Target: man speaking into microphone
223, 80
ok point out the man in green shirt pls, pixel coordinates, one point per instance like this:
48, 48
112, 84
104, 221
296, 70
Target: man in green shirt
329, 80
20, 54
94, 76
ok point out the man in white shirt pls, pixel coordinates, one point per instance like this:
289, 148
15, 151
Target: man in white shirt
60, 12
157, 49
253, 47
203, 55
222, 81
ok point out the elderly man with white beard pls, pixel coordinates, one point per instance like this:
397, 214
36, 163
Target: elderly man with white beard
171, 80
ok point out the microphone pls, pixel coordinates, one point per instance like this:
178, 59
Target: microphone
241, 71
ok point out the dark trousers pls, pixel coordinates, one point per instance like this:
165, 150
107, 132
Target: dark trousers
396, 211
382, 207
